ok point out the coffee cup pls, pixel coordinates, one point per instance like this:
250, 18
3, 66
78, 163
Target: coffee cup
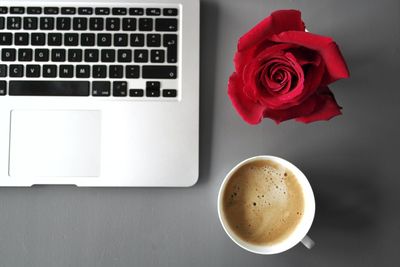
266, 205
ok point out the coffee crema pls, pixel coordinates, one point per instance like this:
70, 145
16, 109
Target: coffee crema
263, 202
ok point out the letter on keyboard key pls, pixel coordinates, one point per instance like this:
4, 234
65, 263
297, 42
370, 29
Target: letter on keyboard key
3, 70
3, 87
49, 88
101, 89
159, 72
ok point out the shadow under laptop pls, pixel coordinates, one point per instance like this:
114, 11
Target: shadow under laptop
209, 36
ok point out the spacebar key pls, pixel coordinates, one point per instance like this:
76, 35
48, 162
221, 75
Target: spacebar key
49, 88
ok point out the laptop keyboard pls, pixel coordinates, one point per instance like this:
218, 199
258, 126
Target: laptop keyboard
115, 52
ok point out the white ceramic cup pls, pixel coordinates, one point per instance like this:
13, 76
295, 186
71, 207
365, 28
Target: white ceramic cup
300, 232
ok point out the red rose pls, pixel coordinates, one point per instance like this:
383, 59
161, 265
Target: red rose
282, 72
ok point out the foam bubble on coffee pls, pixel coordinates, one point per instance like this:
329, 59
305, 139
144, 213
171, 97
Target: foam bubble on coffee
263, 202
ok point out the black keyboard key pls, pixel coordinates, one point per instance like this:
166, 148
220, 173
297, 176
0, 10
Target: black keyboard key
152, 92
14, 23
153, 12
25, 55
170, 12
51, 10
30, 23
42, 55
136, 11
121, 39
2, 23
80, 24
49, 71
68, 10
153, 85
129, 24
17, 10
82, 71
137, 40
54, 39
63, 24
169, 93
5, 38
8, 54
96, 24
159, 72
58, 55
33, 71
3, 10
85, 11
166, 25
141, 56
132, 71
47, 23
157, 56
71, 39
87, 39
171, 43
113, 24
136, 92
153, 40
16, 71
145, 24
107, 55
66, 71
49, 88
34, 10
102, 11
75, 55
153, 89
21, 38
120, 89
99, 71
116, 71
91, 55
119, 11
3, 70
38, 39
104, 39
3, 88
101, 88
124, 55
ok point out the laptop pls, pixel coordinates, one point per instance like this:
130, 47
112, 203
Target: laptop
102, 94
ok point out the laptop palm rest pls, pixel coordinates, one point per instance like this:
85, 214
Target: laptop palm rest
55, 143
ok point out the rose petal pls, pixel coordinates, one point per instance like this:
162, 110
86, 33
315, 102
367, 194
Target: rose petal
305, 56
304, 108
326, 109
279, 21
249, 110
335, 64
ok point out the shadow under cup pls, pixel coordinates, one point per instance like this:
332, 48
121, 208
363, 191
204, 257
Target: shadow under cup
300, 230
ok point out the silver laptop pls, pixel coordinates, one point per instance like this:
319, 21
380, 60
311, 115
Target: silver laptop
102, 93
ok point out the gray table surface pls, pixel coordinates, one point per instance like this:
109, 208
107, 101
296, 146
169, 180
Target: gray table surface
350, 161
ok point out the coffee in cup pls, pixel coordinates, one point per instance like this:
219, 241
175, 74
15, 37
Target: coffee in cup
266, 205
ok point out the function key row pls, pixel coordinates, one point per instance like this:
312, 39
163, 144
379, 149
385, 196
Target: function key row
102, 11
92, 24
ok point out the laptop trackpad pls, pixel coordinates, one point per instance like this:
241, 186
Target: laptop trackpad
55, 143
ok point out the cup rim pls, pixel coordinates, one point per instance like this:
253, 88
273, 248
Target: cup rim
301, 229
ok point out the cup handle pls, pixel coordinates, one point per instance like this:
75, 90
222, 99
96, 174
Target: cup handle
308, 242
